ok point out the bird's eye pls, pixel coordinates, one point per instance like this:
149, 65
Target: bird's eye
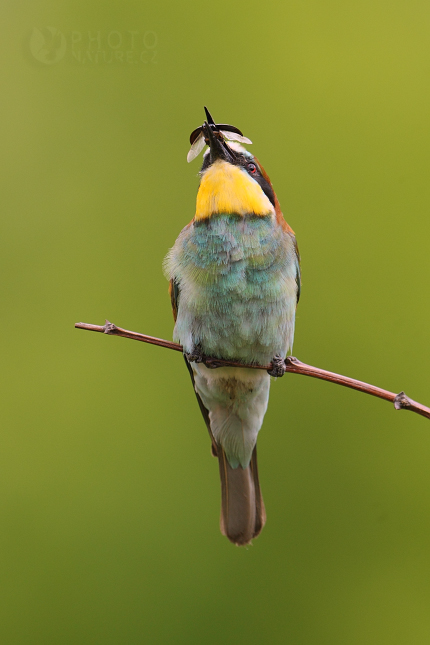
252, 168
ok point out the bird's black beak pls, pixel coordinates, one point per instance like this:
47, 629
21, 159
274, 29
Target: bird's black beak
217, 144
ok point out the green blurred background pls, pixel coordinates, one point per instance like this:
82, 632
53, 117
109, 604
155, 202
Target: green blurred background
109, 496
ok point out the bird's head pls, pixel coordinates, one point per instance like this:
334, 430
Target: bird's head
232, 180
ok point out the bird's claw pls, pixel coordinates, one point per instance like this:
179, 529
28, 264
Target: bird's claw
278, 366
196, 356
212, 363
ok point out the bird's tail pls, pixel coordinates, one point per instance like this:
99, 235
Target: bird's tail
242, 508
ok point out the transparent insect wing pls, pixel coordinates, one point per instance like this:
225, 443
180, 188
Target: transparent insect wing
196, 148
233, 136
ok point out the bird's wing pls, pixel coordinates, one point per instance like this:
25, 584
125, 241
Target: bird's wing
298, 272
174, 299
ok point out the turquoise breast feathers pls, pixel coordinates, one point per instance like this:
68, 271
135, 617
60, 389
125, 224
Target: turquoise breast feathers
237, 282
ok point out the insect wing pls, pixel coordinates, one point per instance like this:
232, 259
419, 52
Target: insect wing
233, 136
196, 148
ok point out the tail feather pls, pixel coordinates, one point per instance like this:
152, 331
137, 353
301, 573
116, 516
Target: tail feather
260, 516
242, 508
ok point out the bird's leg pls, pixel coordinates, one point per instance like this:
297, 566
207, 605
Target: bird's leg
196, 355
212, 363
278, 366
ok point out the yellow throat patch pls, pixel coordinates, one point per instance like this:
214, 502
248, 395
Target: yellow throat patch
225, 188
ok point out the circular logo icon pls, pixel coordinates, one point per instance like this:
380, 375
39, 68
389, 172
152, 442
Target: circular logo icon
48, 45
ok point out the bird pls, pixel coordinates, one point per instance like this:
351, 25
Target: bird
234, 283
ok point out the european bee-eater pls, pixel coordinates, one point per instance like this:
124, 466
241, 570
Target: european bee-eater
234, 283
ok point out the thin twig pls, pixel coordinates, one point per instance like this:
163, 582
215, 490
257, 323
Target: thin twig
292, 365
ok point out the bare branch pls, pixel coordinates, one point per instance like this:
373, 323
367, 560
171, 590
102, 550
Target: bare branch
292, 365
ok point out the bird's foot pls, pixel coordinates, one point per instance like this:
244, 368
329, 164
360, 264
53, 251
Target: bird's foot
212, 363
278, 366
196, 355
